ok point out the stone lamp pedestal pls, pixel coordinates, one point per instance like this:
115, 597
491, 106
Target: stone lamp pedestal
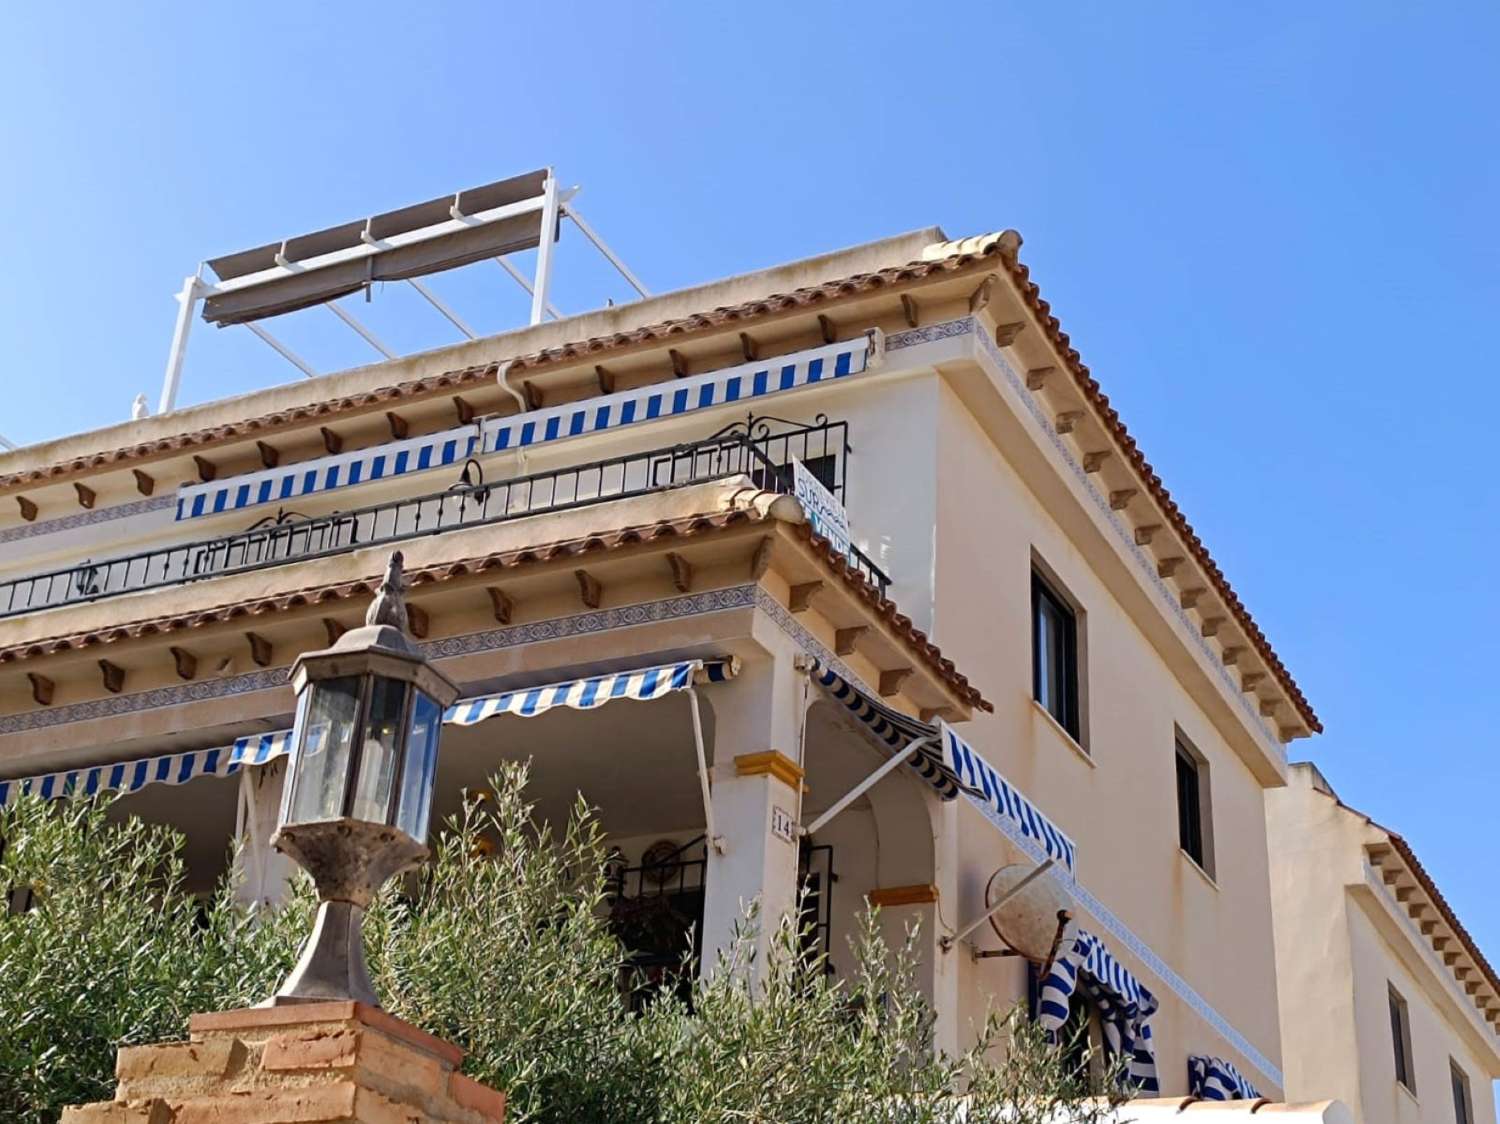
336, 1062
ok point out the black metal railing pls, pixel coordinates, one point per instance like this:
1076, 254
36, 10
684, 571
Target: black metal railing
752, 448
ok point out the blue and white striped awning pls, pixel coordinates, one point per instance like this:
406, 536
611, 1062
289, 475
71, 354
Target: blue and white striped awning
1215, 1079
1003, 805
170, 768
953, 767
642, 685
342, 470
744, 383
588, 693
1125, 1006
892, 729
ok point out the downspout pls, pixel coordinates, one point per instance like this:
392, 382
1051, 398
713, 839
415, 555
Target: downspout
502, 374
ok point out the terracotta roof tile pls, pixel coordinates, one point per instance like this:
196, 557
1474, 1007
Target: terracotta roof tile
449, 382
1471, 946
1089, 386
973, 255
597, 543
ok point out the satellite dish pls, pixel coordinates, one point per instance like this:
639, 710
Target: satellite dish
1029, 922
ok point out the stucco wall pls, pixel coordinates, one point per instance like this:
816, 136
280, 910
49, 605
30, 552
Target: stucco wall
1341, 944
1118, 800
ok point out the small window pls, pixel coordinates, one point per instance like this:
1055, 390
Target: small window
1463, 1103
1401, 1041
1194, 818
1054, 655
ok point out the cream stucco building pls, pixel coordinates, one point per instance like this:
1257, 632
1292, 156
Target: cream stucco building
1385, 998
619, 503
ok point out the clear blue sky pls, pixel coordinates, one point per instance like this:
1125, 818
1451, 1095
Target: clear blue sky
1269, 228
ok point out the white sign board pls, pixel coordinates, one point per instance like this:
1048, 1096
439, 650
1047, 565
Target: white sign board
825, 514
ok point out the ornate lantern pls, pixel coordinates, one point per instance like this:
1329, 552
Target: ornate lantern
359, 789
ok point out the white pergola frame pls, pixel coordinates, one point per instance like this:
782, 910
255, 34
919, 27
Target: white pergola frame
554, 203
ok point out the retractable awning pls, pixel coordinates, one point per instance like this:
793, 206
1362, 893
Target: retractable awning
892, 729
641, 684
953, 767
490, 221
326, 474
744, 383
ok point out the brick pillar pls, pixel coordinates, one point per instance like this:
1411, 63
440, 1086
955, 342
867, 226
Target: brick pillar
331, 1063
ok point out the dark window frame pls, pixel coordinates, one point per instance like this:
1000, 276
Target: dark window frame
1401, 1041
1463, 1096
1061, 615
1195, 808
1189, 806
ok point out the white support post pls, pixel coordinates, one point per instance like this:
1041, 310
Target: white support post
364, 333
520, 279
187, 301
544, 249
888, 766
281, 349
715, 840
589, 233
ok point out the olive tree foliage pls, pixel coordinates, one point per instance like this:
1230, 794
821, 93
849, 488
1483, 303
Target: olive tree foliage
502, 944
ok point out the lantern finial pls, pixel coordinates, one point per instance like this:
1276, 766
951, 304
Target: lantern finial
389, 606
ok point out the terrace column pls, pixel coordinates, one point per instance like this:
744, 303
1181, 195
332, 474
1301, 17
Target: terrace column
756, 781
261, 873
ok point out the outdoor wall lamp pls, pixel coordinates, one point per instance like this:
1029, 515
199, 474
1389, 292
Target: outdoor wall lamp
359, 787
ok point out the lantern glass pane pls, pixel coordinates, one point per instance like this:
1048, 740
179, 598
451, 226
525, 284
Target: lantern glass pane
381, 750
321, 768
420, 768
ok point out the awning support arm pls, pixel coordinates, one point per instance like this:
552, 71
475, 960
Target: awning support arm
887, 766
715, 840
947, 943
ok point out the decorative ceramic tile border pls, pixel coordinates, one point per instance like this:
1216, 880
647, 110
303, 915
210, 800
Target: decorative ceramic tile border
84, 519
929, 333
515, 636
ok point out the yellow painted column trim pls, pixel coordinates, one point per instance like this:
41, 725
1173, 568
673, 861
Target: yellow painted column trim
772, 762
903, 895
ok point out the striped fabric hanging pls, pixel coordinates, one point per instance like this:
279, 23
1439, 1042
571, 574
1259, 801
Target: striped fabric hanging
642, 684
1215, 1079
1125, 1006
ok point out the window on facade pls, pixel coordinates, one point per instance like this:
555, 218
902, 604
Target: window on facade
1194, 831
1463, 1104
1401, 1041
1054, 654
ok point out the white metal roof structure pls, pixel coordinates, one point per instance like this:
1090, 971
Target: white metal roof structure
523, 212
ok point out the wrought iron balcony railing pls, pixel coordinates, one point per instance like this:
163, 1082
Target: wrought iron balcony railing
762, 449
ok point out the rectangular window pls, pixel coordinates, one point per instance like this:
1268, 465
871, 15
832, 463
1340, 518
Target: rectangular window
1463, 1103
1054, 655
1194, 811
1401, 1041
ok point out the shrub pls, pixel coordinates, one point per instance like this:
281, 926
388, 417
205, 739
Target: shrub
501, 944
